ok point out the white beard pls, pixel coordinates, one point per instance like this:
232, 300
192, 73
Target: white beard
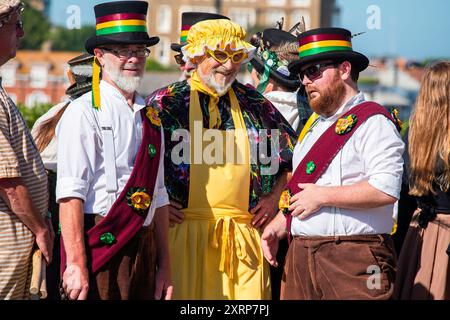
125, 83
210, 81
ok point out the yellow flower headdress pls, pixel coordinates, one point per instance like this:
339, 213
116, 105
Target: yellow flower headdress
216, 34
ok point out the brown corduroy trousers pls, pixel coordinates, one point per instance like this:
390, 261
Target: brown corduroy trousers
131, 272
341, 267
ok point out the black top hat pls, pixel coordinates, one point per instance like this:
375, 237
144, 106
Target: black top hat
120, 22
327, 44
188, 19
271, 44
81, 74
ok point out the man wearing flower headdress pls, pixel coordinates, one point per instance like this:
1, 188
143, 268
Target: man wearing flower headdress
218, 198
347, 175
277, 48
110, 177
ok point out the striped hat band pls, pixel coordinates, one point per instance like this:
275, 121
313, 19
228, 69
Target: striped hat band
315, 44
184, 33
121, 22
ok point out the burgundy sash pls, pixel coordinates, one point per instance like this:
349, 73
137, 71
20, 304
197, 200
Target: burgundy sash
122, 221
326, 148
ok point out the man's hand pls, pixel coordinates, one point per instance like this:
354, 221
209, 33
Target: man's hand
44, 241
175, 215
269, 244
76, 282
163, 284
264, 211
308, 201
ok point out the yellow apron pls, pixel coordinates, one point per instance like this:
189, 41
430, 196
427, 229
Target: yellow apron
215, 252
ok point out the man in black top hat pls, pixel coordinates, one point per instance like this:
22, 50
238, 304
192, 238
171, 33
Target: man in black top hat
188, 19
348, 168
102, 158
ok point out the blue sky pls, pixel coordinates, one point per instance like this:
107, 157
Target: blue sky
415, 29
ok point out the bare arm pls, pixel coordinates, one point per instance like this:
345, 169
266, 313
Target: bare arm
163, 278
267, 206
273, 233
76, 276
15, 194
361, 195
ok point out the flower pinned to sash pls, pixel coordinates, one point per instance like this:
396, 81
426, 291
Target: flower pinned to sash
285, 201
138, 199
153, 115
345, 125
398, 122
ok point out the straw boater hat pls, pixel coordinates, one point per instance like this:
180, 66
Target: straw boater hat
119, 22
188, 19
80, 75
8, 8
216, 35
327, 44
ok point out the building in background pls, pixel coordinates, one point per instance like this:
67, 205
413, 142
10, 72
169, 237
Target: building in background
36, 77
164, 17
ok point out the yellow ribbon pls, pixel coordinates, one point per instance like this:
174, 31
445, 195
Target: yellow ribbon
214, 114
96, 84
307, 126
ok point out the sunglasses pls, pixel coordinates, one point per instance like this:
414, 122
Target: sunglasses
223, 56
315, 71
179, 59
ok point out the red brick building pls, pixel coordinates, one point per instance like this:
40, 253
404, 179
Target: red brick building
34, 77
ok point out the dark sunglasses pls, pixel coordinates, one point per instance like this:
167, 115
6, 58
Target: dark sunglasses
314, 71
179, 59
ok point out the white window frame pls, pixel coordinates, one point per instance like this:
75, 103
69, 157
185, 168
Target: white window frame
165, 18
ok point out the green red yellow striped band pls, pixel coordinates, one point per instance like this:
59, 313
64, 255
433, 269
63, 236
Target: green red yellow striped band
117, 23
316, 44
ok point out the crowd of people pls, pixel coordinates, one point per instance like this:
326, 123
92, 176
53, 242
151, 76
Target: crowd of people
210, 189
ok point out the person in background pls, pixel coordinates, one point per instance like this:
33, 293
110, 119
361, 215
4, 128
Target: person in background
80, 76
423, 267
23, 182
269, 70
188, 19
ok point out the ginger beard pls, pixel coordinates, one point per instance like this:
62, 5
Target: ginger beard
327, 100
127, 83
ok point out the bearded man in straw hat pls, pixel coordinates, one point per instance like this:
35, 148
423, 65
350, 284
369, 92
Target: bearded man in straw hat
23, 183
348, 167
220, 195
110, 186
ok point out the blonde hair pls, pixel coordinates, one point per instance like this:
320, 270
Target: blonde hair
429, 136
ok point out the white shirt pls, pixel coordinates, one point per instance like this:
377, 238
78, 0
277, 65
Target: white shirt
373, 154
81, 167
286, 103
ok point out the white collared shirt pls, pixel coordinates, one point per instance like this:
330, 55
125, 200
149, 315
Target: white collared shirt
81, 167
373, 154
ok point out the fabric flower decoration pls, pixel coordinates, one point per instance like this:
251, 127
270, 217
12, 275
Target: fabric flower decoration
345, 125
153, 115
398, 122
285, 201
138, 199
